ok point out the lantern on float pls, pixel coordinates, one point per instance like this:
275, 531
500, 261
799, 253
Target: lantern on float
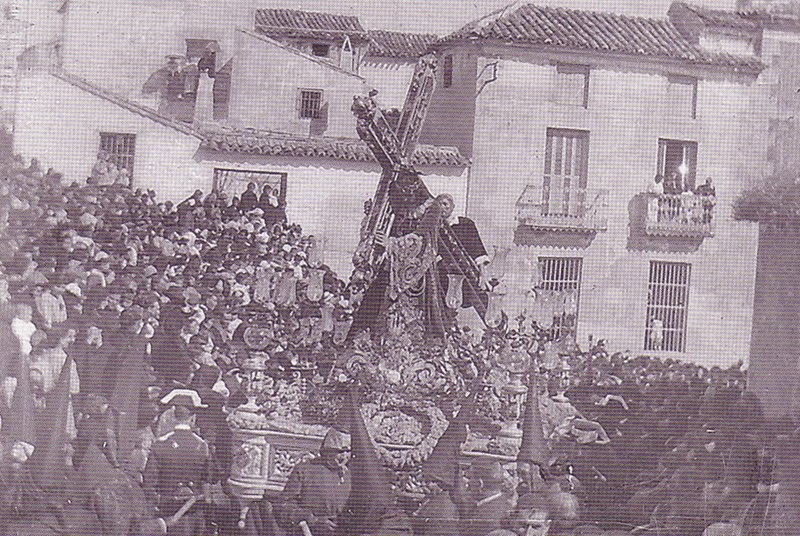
315, 289
455, 291
316, 252
286, 290
494, 310
326, 320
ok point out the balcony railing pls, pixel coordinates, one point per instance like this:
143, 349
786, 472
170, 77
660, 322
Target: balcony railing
684, 214
578, 210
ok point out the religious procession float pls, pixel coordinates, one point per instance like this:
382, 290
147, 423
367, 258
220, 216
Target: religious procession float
395, 334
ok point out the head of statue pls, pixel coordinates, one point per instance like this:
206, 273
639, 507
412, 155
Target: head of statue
448, 204
335, 449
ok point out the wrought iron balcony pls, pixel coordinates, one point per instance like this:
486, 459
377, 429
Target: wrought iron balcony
576, 210
676, 215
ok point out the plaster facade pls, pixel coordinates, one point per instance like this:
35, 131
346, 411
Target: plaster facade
261, 97
503, 126
324, 195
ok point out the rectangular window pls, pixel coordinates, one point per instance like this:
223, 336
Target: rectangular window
667, 304
120, 148
558, 292
310, 103
682, 96
320, 49
566, 161
234, 182
447, 71
677, 163
572, 85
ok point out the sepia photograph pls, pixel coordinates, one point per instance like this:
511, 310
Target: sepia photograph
410, 268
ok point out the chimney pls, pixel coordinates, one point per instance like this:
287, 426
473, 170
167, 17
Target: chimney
204, 103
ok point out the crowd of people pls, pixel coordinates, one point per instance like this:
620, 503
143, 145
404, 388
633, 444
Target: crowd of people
136, 298
122, 318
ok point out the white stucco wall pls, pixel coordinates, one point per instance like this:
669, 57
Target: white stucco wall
626, 116
390, 77
265, 86
60, 125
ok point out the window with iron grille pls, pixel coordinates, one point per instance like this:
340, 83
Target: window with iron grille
310, 103
560, 282
447, 71
566, 162
667, 305
120, 148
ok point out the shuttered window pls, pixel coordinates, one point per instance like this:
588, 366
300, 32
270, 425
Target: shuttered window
447, 71
682, 96
667, 306
566, 162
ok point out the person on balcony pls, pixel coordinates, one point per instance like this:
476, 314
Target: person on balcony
708, 194
656, 190
673, 183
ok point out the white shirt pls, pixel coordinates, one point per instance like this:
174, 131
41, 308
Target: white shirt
23, 330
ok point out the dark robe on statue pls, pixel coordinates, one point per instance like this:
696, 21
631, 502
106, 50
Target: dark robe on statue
467, 233
407, 285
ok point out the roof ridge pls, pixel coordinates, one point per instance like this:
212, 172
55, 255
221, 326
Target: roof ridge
298, 52
623, 16
122, 102
310, 12
598, 31
396, 32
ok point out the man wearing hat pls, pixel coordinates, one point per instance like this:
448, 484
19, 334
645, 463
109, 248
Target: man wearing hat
317, 490
179, 465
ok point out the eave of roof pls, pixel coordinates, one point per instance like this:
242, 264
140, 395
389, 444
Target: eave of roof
745, 20
124, 103
606, 33
387, 44
720, 18
297, 52
250, 141
298, 23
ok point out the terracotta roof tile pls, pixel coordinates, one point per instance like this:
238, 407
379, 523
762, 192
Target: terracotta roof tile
721, 18
589, 30
776, 16
279, 144
296, 23
398, 44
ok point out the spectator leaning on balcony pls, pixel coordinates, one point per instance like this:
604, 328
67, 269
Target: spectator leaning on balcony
708, 194
673, 183
656, 190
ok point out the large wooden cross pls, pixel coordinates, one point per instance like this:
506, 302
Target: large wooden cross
394, 147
